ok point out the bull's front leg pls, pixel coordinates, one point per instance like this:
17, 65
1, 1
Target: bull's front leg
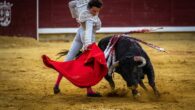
151, 78
142, 85
156, 92
110, 81
152, 84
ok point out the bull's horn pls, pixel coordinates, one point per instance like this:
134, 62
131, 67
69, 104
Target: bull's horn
114, 65
143, 60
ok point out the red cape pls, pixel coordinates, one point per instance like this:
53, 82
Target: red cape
85, 71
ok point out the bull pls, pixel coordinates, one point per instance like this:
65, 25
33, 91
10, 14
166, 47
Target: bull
132, 63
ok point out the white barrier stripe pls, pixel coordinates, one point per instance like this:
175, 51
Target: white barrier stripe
118, 29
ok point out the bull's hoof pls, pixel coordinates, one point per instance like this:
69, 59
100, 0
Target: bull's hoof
112, 85
157, 94
94, 95
136, 96
56, 90
112, 89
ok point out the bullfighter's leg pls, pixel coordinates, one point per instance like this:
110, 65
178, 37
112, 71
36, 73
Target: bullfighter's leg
91, 93
56, 89
111, 82
75, 47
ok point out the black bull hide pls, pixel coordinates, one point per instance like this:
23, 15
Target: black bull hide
125, 50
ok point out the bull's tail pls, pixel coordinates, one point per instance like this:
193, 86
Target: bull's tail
61, 54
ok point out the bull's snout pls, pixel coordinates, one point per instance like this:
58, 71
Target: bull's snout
140, 59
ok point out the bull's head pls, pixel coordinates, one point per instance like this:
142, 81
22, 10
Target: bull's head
135, 58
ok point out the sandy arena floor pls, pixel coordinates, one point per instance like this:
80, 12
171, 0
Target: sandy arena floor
26, 84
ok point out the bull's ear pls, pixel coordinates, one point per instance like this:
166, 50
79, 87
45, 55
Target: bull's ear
127, 61
124, 59
129, 57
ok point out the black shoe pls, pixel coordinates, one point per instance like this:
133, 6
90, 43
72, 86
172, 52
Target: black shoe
56, 90
94, 95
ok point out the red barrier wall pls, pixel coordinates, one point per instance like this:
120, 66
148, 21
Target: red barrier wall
120, 13
115, 13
